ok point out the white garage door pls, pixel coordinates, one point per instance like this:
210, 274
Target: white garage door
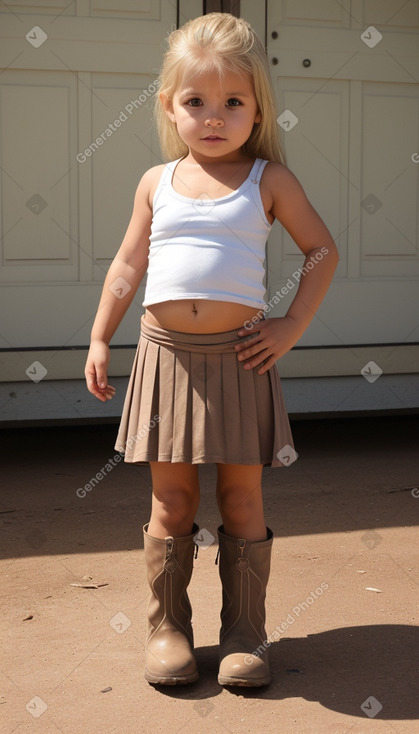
347, 78
76, 136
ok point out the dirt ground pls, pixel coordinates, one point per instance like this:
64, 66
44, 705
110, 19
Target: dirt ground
343, 592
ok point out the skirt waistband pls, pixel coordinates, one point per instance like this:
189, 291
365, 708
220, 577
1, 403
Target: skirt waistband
222, 342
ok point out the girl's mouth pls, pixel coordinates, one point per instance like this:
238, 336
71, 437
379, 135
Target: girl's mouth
212, 138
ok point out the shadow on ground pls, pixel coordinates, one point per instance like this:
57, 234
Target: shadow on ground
351, 474
354, 479
360, 671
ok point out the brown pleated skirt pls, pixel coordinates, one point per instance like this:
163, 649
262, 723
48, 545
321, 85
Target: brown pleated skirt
190, 400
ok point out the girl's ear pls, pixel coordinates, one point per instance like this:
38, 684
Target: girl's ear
167, 105
258, 117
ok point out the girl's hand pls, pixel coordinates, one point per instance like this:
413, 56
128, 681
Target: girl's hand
274, 338
96, 371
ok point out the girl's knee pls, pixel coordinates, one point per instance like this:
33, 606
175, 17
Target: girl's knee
183, 502
239, 505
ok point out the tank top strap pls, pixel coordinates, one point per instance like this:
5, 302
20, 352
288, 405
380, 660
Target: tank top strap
255, 177
165, 179
168, 171
257, 170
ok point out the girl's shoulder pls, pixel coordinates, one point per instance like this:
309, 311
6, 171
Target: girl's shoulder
277, 174
276, 183
283, 195
153, 174
280, 182
150, 180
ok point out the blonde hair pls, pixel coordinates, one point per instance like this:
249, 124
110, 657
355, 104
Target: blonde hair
220, 42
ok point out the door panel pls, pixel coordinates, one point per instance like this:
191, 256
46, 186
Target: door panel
63, 217
348, 74
389, 222
130, 153
77, 134
38, 137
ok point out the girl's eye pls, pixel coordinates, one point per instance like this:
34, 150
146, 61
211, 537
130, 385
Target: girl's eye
233, 102
194, 102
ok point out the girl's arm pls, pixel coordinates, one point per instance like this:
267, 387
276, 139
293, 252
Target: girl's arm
292, 208
121, 283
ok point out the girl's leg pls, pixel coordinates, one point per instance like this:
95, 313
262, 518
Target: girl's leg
168, 553
175, 499
245, 545
240, 501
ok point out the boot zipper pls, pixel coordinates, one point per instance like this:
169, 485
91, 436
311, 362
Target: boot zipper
242, 545
169, 547
242, 563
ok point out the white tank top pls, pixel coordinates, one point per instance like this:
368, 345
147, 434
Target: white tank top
208, 248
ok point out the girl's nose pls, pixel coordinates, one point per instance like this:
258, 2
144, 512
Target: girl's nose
214, 121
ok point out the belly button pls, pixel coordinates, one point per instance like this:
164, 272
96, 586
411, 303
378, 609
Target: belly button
194, 309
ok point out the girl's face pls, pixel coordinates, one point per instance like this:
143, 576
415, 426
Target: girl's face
214, 115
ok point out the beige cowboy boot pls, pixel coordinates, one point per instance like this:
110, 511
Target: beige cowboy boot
169, 647
244, 573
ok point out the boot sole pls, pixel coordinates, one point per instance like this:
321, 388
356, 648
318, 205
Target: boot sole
243, 682
178, 680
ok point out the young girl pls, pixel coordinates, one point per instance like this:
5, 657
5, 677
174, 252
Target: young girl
204, 386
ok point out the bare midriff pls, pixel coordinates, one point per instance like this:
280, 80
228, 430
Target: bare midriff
199, 316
